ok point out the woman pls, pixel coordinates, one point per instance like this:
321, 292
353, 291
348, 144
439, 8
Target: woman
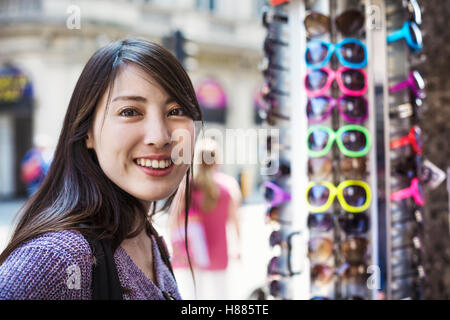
216, 198
115, 158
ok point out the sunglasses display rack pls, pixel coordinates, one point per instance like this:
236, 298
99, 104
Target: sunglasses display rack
332, 71
283, 269
406, 94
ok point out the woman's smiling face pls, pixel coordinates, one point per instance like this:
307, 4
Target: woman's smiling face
136, 128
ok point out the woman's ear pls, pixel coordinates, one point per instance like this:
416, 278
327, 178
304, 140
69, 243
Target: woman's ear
89, 140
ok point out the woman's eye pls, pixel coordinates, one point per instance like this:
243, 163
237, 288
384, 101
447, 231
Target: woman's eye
129, 112
177, 112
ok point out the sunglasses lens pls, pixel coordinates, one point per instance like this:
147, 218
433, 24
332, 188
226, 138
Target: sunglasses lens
275, 238
354, 140
317, 108
416, 35
316, 52
415, 14
317, 24
320, 222
275, 288
269, 194
354, 108
319, 168
321, 274
420, 190
350, 22
318, 140
274, 266
354, 223
316, 80
353, 79
354, 250
274, 213
352, 52
353, 167
355, 196
355, 274
320, 249
418, 137
318, 195
418, 80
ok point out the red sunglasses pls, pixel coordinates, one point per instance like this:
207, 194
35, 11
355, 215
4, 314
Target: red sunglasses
413, 138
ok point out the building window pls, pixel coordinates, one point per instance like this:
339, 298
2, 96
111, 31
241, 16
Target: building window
206, 5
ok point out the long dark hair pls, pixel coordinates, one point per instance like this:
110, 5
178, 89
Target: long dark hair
76, 194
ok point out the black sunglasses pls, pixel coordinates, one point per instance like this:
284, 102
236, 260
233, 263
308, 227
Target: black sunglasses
350, 22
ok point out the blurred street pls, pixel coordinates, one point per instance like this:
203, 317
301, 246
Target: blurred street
245, 275
8, 210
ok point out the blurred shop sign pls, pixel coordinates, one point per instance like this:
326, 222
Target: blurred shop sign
213, 100
15, 87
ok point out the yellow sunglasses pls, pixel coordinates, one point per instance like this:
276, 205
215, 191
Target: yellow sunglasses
353, 195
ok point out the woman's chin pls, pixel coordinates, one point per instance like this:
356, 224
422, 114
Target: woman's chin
153, 196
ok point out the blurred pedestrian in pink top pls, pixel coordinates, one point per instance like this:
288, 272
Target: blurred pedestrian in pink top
216, 198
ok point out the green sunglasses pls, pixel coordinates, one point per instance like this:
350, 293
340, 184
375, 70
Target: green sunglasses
353, 140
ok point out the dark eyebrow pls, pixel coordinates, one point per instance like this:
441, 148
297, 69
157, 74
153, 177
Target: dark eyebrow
132, 98
141, 99
170, 100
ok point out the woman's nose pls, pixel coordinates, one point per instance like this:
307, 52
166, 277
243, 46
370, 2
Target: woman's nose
157, 133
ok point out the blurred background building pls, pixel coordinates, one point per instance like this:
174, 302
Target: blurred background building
44, 45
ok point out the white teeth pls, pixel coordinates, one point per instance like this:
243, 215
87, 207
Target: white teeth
161, 164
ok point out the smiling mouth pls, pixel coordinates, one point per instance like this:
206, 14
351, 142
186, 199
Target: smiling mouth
153, 164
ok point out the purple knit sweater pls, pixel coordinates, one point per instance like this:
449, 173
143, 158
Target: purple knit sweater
58, 266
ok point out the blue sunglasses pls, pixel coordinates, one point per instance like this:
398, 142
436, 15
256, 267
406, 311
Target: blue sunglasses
411, 33
351, 53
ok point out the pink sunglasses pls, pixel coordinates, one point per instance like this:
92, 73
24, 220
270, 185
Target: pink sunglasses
414, 190
352, 82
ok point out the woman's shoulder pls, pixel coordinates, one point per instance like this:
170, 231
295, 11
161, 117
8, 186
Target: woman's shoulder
54, 265
64, 242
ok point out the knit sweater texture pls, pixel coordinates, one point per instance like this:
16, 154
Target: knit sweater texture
58, 266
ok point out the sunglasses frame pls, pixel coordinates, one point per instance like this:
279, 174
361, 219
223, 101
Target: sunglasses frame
334, 48
337, 102
338, 191
414, 82
415, 12
278, 259
275, 58
405, 33
331, 76
279, 195
409, 139
336, 136
411, 191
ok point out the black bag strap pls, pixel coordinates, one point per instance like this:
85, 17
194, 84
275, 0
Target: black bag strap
105, 279
162, 247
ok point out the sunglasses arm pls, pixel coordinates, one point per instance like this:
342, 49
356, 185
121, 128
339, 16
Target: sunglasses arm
400, 86
396, 35
400, 142
401, 194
